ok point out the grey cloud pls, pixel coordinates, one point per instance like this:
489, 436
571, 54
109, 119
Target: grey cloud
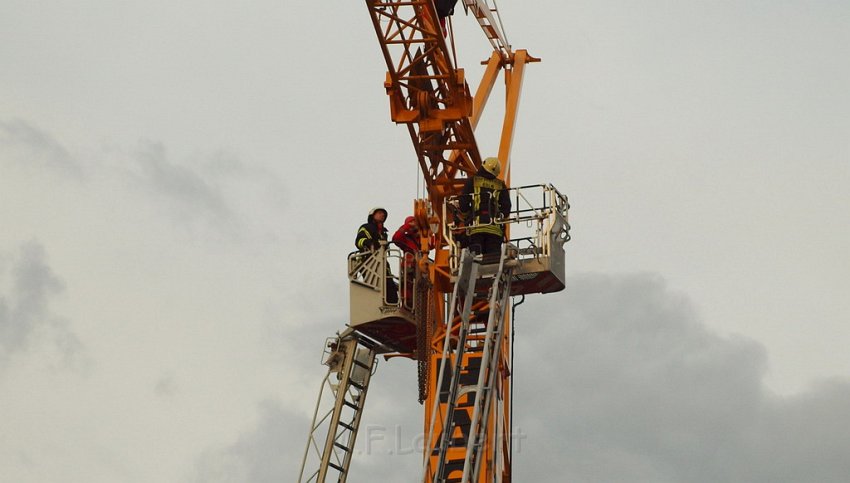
628, 385
26, 144
166, 385
272, 450
269, 452
801, 438
187, 190
214, 188
255, 186
617, 379
25, 312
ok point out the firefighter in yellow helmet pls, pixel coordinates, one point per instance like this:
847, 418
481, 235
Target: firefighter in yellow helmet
485, 198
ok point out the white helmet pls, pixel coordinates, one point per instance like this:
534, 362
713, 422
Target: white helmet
375, 210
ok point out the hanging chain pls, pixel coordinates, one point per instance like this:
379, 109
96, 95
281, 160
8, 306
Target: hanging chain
424, 332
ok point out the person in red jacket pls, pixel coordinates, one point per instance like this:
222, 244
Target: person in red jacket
407, 238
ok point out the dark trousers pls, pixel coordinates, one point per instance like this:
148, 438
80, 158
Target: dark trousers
485, 243
392, 292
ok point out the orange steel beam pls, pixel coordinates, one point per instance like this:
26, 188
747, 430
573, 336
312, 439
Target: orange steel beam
513, 85
426, 93
513, 89
485, 87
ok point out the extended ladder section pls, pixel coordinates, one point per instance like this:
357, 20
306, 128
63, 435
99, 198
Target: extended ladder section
487, 16
468, 372
338, 410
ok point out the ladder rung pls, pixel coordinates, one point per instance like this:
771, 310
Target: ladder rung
364, 366
352, 383
342, 447
351, 405
338, 468
347, 426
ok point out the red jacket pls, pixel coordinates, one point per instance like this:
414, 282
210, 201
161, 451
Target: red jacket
406, 237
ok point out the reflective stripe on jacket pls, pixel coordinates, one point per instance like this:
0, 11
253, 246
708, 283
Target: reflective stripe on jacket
485, 197
369, 236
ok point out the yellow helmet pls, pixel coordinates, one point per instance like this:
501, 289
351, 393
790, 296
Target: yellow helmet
492, 165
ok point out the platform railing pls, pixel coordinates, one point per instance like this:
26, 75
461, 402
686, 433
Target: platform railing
372, 269
538, 220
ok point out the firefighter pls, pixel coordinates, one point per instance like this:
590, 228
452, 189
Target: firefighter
485, 199
371, 233
369, 238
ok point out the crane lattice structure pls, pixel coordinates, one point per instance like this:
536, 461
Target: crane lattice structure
457, 321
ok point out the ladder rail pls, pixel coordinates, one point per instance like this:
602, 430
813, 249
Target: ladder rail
454, 395
467, 275
493, 30
311, 440
493, 346
357, 406
485, 341
353, 361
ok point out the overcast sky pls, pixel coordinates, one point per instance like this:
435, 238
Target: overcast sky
180, 183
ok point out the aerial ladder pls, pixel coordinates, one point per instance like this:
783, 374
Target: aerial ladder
452, 314
334, 429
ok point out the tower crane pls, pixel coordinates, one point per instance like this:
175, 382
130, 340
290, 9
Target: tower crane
457, 322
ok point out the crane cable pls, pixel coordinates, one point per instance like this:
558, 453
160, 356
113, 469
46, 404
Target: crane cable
513, 336
451, 31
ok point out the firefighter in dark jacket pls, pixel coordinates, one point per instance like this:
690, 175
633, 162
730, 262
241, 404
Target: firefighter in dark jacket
371, 233
485, 199
369, 238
